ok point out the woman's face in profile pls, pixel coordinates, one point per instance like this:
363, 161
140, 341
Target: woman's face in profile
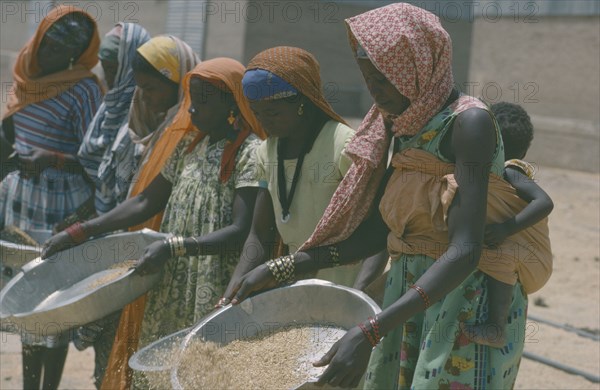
279, 117
385, 94
157, 94
210, 107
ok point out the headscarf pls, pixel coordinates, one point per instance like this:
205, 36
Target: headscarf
410, 48
28, 88
109, 47
114, 111
260, 84
146, 128
296, 67
228, 73
73, 31
118, 373
135, 140
161, 52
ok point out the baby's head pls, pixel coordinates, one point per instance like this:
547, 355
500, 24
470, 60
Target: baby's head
516, 128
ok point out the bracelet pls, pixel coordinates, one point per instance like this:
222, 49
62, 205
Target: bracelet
179, 247
335, 255
367, 334
375, 326
282, 268
422, 293
176, 246
77, 233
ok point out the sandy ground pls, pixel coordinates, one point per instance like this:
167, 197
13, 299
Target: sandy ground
571, 297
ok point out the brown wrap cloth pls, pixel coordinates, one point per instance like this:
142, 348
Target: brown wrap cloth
415, 207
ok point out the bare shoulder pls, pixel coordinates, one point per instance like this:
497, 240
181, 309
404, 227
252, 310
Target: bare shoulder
474, 133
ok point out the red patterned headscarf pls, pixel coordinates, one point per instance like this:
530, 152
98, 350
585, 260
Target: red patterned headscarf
410, 48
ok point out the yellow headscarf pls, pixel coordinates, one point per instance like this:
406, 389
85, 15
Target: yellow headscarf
162, 53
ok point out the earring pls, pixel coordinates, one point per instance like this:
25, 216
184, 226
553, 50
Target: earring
71, 64
301, 109
231, 118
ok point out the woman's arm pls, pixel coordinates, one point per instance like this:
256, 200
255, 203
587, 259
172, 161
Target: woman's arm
220, 241
38, 160
229, 237
129, 213
367, 240
473, 142
371, 269
259, 245
539, 207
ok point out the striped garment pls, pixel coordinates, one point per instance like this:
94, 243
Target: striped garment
111, 116
59, 125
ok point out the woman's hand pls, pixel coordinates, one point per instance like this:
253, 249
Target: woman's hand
260, 278
35, 162
58, 242
154, 258
495, 234
347, 360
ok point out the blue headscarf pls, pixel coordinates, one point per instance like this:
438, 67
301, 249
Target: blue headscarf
260, 84
111, 115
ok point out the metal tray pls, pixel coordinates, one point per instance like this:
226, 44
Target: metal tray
328, 308
16, 255
156, 356
75, 286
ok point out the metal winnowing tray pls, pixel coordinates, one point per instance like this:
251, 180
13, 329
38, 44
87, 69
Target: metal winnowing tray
76, 286
327, 309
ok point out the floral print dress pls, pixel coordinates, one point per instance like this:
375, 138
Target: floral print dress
199, 204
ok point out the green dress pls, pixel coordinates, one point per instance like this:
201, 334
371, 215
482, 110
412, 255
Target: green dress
429, 351
199, 204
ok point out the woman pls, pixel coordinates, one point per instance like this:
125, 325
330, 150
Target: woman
117, 51
435, 206
55, 97
208, 187
301, 163
158, 68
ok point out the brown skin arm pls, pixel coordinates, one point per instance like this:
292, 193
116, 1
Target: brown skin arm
257, 248
371, 269
539, 207
34, 163
473, 141
230, 237
129, 213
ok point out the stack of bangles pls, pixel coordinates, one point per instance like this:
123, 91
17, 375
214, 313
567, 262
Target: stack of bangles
373, 334
282, 268
77, 233
176, 246
423, 294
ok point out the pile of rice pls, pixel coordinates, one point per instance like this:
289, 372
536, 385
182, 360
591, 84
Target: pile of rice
273, 360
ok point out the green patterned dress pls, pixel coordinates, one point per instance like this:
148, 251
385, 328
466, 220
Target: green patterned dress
429, 351
199, 204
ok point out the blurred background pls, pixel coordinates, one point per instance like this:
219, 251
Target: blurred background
544, 55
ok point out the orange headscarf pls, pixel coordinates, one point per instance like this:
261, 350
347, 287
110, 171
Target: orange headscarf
227, 71
227, 74
223, 72
27, 87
